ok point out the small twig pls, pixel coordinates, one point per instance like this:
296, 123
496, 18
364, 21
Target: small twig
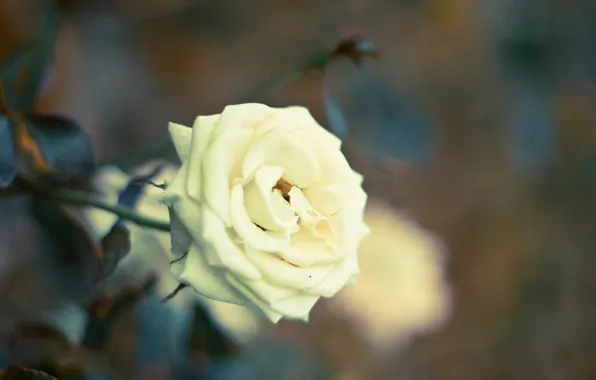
345, 48
174, 292
81, 199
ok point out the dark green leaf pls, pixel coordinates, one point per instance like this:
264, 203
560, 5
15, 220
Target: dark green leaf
37, 345
8, 169
23, 74
104, 313
52, 150
74, 251
115, 245
22, 373
207, 338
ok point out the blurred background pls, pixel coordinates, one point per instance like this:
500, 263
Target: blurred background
475, 130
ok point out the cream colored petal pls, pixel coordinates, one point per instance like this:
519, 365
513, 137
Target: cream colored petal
215, 234
318, 225
269, 293
334, 282
307, 251
176, 189
265, 207
280, 272
328, 200
248, 231
273, 316
181, 136
202, 132
300, 122
296, 307
228, 144
222, 156
206, 280
301, 167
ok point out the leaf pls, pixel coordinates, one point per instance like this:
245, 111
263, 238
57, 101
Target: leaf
8, 169
22, 373
74, 251
104, 313
37, 345
115, 246
207, 338
53, 150
22, 75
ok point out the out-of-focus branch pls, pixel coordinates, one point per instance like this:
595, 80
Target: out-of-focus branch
79, 198
352, 46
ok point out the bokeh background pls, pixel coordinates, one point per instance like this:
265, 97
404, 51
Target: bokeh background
475, 131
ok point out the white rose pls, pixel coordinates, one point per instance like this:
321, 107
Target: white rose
265, 209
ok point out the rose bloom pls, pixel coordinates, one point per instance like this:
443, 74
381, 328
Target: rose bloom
265, 209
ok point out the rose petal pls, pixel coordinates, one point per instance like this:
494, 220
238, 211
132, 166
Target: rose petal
228, 144
214, 233
297, 307
300, 122
280, 272
269, 293
268, 311
249, 232
202, 132
327, 200
181, 136
206, 229
334, 282
206, 280
317, 224
307, 251
300, 164
265, 207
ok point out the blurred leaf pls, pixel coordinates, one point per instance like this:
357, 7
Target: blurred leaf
22, 373
23, 74
206, 337
115, 246
104, 313
75, 252
37, 345
8, 169
52, 149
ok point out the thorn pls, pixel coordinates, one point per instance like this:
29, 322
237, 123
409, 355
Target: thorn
175, 292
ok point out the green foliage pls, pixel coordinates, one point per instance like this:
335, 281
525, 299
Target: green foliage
8, 169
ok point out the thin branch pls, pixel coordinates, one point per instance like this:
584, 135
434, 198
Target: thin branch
161, 147
82, 199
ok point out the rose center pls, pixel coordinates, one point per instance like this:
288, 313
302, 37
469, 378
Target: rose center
285, 187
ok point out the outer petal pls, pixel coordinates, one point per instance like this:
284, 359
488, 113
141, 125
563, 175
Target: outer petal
296, 307
281, 273
201, 136
229, 142
181, 136
216, 237
336, 280
273, 315
206, 280
206, 228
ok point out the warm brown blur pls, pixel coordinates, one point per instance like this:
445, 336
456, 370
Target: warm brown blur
520, 238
